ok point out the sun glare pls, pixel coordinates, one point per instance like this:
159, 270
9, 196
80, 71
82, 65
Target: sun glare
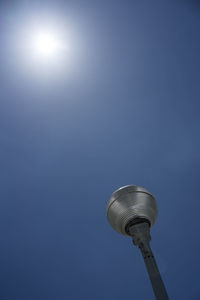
46, 45
44, 48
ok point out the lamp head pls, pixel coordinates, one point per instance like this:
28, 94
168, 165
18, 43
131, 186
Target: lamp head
131, 204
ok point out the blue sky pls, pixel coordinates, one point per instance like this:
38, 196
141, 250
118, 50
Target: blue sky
123, 109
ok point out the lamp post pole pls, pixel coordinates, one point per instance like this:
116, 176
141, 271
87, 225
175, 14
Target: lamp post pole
132, 210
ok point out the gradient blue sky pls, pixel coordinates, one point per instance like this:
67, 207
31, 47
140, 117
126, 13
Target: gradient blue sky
124, 109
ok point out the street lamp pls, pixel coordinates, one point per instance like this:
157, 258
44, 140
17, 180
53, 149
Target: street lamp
132, 211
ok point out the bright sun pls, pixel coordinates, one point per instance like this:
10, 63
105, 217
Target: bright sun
47, 45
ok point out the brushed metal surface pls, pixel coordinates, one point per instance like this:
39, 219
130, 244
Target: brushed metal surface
130, 202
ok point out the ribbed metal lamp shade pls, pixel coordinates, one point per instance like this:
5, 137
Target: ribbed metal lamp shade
128, 203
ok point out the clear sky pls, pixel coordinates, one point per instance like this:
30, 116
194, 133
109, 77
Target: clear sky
121, 108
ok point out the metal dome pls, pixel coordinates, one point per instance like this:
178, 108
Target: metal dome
128, 203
